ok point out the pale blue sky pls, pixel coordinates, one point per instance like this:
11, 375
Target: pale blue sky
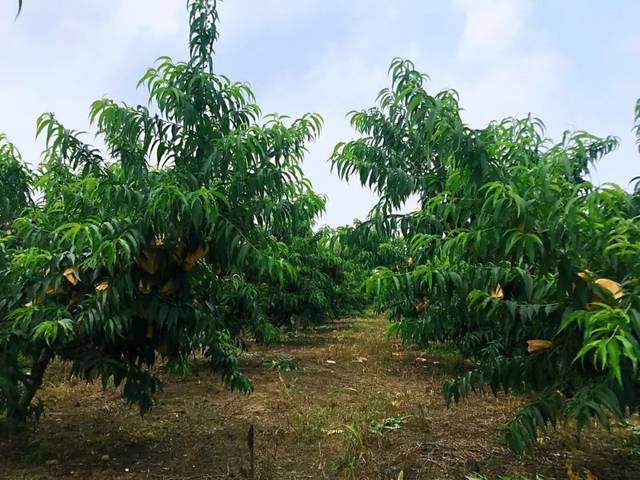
575, 64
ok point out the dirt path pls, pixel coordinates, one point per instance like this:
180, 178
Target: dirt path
342, 401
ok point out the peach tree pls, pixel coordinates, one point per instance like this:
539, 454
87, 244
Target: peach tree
515, 257
111, 260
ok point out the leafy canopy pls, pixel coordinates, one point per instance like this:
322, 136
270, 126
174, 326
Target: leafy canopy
149, 248
515, 257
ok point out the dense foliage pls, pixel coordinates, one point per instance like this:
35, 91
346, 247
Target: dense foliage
326, 284
157, 247
196, 227
516, 257
16, 181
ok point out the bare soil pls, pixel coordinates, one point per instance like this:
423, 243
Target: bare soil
346, 402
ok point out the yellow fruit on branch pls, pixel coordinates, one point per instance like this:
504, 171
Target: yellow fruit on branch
538, 345
102, 286
497, 292
71, 274
157, 241
422, 306
584, 275
144, 287
613, 287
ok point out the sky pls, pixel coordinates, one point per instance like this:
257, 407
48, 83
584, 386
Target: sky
573, 63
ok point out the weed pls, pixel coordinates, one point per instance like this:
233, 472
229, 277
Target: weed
284, 364
292, 336
477, 476
635, 439
353, 452
363, 326
389, 424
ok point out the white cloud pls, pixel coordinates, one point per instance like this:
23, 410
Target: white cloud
331, 56
518, 86
491, 26
157, 17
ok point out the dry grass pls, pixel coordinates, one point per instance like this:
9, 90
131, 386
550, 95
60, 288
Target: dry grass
358, 405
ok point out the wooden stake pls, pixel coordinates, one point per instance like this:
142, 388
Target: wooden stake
250, 445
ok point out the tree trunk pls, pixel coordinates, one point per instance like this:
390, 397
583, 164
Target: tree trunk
20, 411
